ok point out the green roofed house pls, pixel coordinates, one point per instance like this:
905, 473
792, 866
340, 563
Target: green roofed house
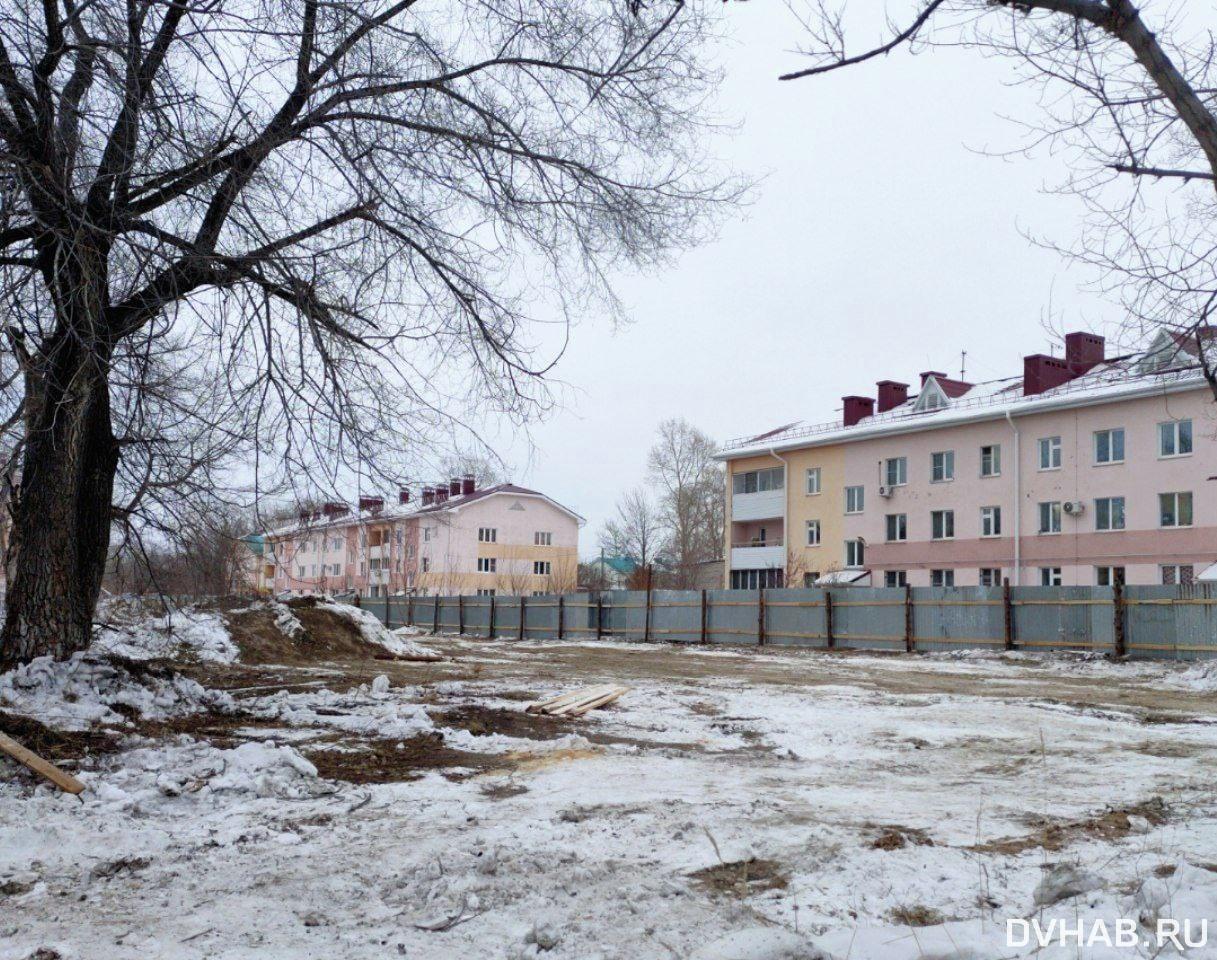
613, 572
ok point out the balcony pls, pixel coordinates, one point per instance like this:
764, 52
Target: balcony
759, 554
758, 506
375, 553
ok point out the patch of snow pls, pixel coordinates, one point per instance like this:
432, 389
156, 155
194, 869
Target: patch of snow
374, 632
286, 622
186, 633
352, 713
76, 693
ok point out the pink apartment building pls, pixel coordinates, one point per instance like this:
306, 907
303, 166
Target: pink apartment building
1084, 470
454, 539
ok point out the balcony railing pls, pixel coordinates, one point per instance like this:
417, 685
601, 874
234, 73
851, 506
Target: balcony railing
757, 542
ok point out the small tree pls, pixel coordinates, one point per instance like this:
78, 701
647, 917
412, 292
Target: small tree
635, 531
691, 502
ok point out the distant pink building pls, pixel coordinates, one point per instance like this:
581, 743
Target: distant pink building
1084, 470
455, 539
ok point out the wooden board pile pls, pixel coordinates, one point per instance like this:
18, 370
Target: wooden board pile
578, 702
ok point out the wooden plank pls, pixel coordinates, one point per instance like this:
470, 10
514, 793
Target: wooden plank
555, 705
1007, 615
909, 639
1118, 618
64, 781
703, 637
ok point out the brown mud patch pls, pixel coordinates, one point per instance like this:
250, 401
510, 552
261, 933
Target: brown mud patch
1051, 834
741, 878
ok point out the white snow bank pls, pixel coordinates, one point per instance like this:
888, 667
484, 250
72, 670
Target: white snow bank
354, 713
1200, 677
286, 622
184, 633
374, 632
74, 694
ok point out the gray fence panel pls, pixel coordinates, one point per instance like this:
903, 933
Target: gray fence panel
795, 618
1063, 618
676, 616
625, 614
958, 618
731, 616
1177, 622
477, 615
868, 618
579, 616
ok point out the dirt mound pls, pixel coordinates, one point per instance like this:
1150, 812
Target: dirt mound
741, 878
325, 635
1112, 824
383, 761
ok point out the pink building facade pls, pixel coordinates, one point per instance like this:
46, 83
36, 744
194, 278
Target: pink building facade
454, 539
1085, 471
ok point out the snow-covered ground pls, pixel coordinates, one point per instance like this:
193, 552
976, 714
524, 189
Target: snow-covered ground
844, 806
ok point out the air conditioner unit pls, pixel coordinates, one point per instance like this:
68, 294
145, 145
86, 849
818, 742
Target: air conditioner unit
885, 491
1073, 507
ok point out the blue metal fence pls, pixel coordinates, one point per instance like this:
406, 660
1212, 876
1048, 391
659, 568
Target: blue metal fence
1169, 622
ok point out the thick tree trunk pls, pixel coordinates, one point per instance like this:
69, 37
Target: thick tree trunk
62, 506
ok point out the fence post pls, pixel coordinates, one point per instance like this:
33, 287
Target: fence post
703, 617
460, 614
522, 609
387, 625
561, 615
760, 616
410, 609
831, 640
490, 625
646, 624
355, 602
908, 619
1007, 610
599, 615
1117, 601
435, 618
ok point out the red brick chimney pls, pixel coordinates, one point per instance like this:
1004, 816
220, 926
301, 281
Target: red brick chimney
454, 487
403, 495
1083, 351
372, 503
467, 484
856, 408
428, 496
891, 394
1042, 372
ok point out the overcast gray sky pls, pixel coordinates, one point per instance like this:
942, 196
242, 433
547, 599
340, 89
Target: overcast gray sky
882, 242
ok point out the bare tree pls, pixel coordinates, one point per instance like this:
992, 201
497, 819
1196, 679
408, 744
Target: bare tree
635, 531
308, 220
487, 471
691, 502
1128, 102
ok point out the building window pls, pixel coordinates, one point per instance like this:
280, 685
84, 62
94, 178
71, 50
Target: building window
543, 538
300, 571
813, 482
895, 578
990, 461
1050, 576
487, 564
897, 527
854, 499
896, 471
758, 481
990, 576
1050, 453
855, 553
942, 578
942, 466
1109, 514
1173, 573
485, 591
813, 533
488, 535
1108, 576
990, 521
541, 567
942, 524
1109, 446
1175, 509
755, 579
1175, 438
426, 565
426, 534
1050, 517
410, 551
809, 579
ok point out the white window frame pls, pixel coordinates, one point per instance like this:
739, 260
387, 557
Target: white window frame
855, 554
947, 463
1051, 577
990, 521
1106, 506
488, 564
1174, 429
994, 455
1049, 453
1177, 499
1054, 518
485, 591
895, 578
1177, 573
855, 499
896, 471
942, 577
813, 533
1110, 433
812, 488
543, 538
542, 568
901, 527
488, 534
989, 577
1105, 576
942, 521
